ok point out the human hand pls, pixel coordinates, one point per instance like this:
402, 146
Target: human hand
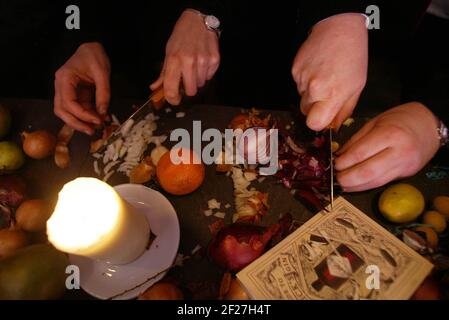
82, 89
330, 70
192, 56
395, 144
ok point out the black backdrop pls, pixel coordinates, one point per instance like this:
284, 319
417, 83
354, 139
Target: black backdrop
257, 46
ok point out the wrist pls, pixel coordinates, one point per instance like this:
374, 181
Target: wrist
439, 129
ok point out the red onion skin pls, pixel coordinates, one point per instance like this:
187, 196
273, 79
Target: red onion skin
237, 245
305, 172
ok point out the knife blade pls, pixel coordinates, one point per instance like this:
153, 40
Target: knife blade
155, 101
331, 168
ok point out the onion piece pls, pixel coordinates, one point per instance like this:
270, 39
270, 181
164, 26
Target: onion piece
237, 245
208, 212
213, 204
220, 215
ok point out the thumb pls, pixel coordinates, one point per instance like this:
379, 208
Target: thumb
102, 92
321, 115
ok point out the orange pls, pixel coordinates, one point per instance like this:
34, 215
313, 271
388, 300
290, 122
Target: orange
441, 204
436, 220
181, 178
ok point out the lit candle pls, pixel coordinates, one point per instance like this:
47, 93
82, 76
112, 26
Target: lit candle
90, 219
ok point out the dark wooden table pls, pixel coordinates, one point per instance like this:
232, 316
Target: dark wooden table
197, 275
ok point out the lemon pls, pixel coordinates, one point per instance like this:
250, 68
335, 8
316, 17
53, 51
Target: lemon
11, 156
5, 121
436, 220
401, 203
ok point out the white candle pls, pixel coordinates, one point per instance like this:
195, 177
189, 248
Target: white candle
92, 220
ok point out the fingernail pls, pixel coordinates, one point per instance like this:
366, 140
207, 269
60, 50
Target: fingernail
102, 109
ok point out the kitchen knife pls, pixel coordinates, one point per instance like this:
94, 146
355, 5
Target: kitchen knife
155, 101
331, 160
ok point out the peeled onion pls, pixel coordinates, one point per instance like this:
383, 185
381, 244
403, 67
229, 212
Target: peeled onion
38, 144
162, 291
11, 241
32, 215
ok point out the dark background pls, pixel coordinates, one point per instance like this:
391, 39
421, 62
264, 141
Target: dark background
408, 57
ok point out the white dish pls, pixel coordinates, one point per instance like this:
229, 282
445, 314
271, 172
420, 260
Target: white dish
106, 281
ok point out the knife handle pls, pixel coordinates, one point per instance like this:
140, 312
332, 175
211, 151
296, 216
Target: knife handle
158, 98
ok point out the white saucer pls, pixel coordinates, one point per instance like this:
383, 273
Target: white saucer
105, 281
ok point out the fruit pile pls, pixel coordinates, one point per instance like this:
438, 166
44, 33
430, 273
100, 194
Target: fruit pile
423, 228
420, 228
29, 267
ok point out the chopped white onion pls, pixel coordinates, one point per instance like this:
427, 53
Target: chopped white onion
213, 204
220, 215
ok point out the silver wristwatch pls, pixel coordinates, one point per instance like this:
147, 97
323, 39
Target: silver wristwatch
211, 22
443, 133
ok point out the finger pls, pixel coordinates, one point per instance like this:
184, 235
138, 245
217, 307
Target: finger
305, 104
370, 172
70, 104
201, 76
211, 71
321, 114
376, 183
383, 180
214, 60
189, 78
102, 91
172, 80
357, 136
73, 122
374, 142
345, 112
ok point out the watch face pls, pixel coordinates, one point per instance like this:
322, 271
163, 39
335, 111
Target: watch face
212, 22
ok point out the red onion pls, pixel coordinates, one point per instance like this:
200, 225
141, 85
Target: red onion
12, 190
237, 245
